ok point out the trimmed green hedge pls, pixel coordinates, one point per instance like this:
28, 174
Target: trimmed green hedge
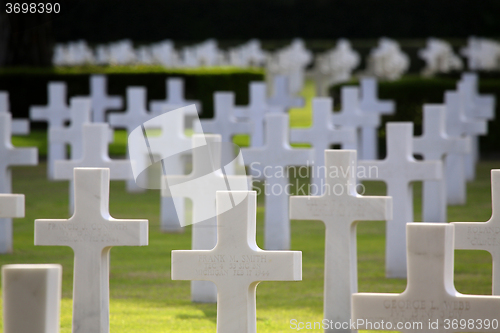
29, 86
411, 93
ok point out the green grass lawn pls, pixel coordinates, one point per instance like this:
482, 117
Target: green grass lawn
145, 299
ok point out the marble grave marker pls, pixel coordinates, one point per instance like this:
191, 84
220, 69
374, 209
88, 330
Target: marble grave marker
56, 113
322, 135
276, 155
399, 170
340, 208
201, 186
11, 156
430, 296
236, 264
369, 103
484, 235
101, 102
91, 232
434, 145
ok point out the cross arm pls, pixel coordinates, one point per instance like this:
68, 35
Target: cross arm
11, 205
128, 232
24, 156
285, 265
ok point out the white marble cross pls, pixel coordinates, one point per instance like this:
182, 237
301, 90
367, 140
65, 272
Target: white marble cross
80, 108
322, 135
101, 102
207, 177
476, 107
351, 115
484, 235
11, 205
435, 144
255, 111
370, 103
273, 159
458, 126
19, 126
174, 100
430, 297
135, 115
91, 232
236, 264
95, 155
281, 94
11, 156
224, 122
174, 145
340, 208
56, 113
399, 170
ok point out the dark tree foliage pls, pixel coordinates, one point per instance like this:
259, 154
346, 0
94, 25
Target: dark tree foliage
191, 20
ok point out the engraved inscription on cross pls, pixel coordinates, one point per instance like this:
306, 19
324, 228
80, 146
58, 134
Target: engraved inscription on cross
201, 186
273, 159
484, 235
236, 264
91, 232
399, 170
321, 135
430, 294
340, 208
434, 145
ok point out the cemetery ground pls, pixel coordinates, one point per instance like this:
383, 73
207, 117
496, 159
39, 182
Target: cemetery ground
145, 299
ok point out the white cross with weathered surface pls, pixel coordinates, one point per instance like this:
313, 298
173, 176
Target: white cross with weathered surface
236, 264
56, 113
95, 155
351, 116
484, 235
207, 177
11, 205
322, 135
281, 96
476, 107
170, 148
434, 144
458, 126
273, 159
134, 116
91, 232
224, 122
11, 156
430, 296
256, 110
101, 102
19, 126
399, 170
340, 208
80, 108
369, 103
